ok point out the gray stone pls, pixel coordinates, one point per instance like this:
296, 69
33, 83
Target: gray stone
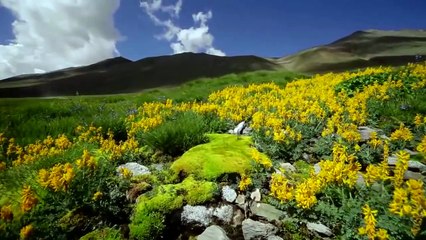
158, 166
412, 175
412, 153
238, 218
247, 130
317, 168
266, 211
288, 167
224, 213
360, 181
256, 196
196, 215
257, 230
213, 232
274, 238
319, 228
306, 156
241, 199
413, 165
229, 194
136, 169
365, 132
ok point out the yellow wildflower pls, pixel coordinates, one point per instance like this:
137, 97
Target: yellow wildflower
6, 213
418, 120
244, 182
28, 199
370, 222
401, 167
26, 231
86, 160
403, 133
97, 195
422, 146
281, 188
261, 158
125, 172
2, 166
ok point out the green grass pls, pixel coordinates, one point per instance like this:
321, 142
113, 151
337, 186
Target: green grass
30, 119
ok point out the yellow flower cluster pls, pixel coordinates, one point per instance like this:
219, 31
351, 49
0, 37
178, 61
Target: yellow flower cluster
2, 166
115, 151
125, 172
281, 188
30, 153
86, 161
370, 225
410, 201
400, 168
305, 193
6, 213
419, 120
261, 158
422, 146
403, 134
26, 231
91, 134
28, 199
97, 195
374, 141
245, 182
57, 178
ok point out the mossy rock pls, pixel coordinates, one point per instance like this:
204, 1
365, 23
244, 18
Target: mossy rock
148, 219
103, 234
224, 154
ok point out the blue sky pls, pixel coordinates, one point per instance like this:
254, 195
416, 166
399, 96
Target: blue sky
265, 28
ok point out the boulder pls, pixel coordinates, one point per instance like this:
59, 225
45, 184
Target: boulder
256, 196
266, 211
224, 213
198, 215
238, 218
229, 194
257, 230
213, 232
319, 228
136, 169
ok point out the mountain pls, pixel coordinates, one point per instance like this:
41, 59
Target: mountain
120, 75
358, 50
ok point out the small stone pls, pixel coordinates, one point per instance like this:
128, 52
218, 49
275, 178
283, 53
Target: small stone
412, 175
360, 181
136, 169
266, 211
213, 232
274, 237
247, 130
317, 168
229, 194
241, 200
196, 215
238, 218
288, 167
412, 153
365, 133
256, 196
224, 213
257, 230
319, 228
306, 156
412, 165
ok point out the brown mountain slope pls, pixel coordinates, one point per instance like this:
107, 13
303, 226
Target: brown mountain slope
120, 75
358, 50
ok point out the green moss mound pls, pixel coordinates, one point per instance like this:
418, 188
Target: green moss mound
148, 219
103, 234
225, 153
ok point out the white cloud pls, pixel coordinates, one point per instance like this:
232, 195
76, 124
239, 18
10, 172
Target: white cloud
52, 34
193, 39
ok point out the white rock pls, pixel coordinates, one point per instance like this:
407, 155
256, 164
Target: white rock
224, 213
317, 168
196, 215
288, 167
256, 196
319, 228
257, 230
229, 194
136, 169
213, 232
239, 128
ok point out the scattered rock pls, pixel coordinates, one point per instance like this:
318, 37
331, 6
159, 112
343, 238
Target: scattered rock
360, 180
412, 153
247, 130
241, 200
213, 232
158, 166
412, 175
317, 168
256, 196
306, 156
224, 213
238, 218
136, 169
365, 133
288, 167
266, 211
412, 165
196, 215
273, 237
239, 129
319, 228
257, 230
229, 194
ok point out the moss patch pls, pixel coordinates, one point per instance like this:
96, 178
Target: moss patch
101, 234
148, 219
225, 153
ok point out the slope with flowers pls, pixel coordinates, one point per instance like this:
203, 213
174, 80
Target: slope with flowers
65, 187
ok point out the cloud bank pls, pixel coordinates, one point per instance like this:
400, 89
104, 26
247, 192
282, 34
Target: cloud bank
52, 34
194, 39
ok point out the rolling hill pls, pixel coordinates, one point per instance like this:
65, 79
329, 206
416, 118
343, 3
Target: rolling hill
119, 75
358, 50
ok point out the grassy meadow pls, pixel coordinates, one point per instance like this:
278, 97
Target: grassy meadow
58, 156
